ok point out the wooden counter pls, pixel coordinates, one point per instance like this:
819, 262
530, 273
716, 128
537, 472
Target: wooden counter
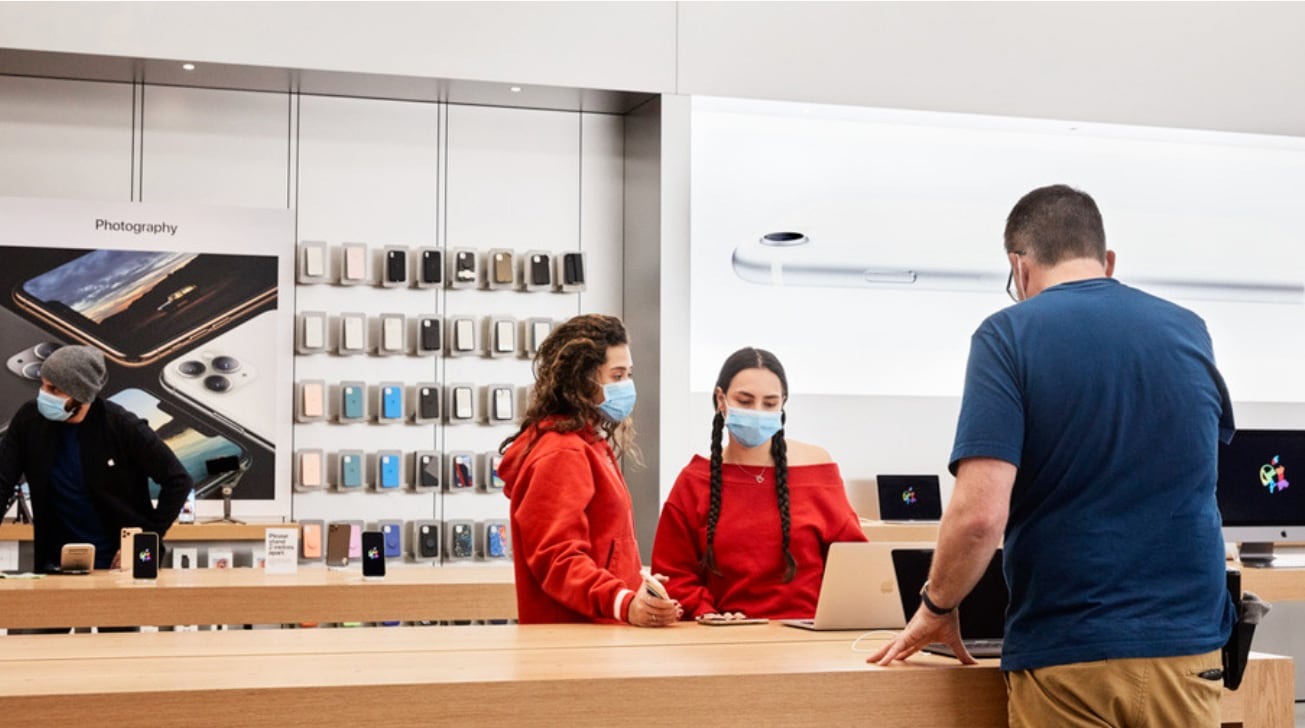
573, 675
249, 596
922, 532
178, 533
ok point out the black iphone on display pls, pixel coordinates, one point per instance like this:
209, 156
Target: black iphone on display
145, 556
373, 561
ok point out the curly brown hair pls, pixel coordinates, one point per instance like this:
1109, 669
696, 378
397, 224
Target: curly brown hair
566, 382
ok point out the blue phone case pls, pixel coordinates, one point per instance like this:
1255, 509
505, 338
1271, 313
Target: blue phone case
391, 403
351, 402
496, 541
393, 541
350, 471
389, 471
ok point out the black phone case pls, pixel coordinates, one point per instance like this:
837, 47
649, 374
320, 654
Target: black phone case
428, 545
465, 265
431, 266
430, 334
573, 269
428, 477
539, 270
428, 404
396, 266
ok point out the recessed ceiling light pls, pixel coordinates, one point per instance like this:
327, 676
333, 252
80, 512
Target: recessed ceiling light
516, 89
187, 66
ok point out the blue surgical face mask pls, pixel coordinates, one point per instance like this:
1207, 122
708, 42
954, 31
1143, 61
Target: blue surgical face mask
751, 428
52, 406
618, 400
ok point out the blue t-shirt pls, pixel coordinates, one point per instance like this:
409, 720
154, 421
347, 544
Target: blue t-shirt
1108, 402
78, 519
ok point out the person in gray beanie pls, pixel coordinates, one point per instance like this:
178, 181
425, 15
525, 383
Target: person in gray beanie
88, 463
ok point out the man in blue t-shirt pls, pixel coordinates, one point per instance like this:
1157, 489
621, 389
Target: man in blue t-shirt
1089, 434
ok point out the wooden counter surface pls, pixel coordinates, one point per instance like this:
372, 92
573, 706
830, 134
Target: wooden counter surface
577, 675
176, 534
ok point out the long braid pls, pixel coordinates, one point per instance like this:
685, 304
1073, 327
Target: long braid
713, 511
779, 451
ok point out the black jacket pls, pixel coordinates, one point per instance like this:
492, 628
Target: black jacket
119, 454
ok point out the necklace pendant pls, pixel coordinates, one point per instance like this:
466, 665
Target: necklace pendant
761, 478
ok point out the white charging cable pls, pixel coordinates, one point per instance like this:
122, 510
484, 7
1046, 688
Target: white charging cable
873, 634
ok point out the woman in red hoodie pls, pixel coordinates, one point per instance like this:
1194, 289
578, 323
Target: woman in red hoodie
574, 548
746, 532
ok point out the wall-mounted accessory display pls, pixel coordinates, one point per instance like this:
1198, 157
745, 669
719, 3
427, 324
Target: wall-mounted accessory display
430, 268
494, 539
311, 266
426, 402
460, 404
500, 403
389, 402
570, 274
425, 540
350, 473
462, 472
353, 398
500, 336
309, 470
389, 470
394, 267
462, 336
533, 333
353, 264
310, 400
500, 273
461, 540
536, 270
426, 470
392, 334
352, 334
490, 480
310, 338
428, 336
464, 268
337, 544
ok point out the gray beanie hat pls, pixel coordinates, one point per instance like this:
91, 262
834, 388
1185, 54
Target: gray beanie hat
77, 370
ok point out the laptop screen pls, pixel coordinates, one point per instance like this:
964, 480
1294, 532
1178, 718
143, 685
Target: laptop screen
982, 612
909, 497
1255, 474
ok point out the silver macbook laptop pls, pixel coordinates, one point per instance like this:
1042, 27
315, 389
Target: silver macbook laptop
858, 591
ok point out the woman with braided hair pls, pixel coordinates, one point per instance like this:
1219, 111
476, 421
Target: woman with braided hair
745, 532
574, 548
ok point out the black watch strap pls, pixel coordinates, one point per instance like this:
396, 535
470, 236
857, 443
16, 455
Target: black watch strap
928, 603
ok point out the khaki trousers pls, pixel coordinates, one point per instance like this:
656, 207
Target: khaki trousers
1155, 692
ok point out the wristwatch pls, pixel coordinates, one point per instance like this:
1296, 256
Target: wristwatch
928, 603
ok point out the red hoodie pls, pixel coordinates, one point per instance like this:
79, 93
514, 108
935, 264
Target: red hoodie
573, 543
749, 550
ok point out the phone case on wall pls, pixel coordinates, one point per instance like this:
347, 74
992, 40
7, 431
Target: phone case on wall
500, 272
390, 396
352, 401
425, 540
393, 533
500, 404
389, 470
428, 334
427, 397
430, 267
312, 262
312, 332
495, 541
500, 336
396, 267
536, 270
465, 271
570, 274
426, 470
353, 334
353, 264
392, 337
310, 404
462, 336
461, 540
490, 479
461, 406
310, 540
308, 469
461, 471
355, 539
351, 469
535, 330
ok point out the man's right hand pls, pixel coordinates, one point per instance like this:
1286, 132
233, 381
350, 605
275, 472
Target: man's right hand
117, 560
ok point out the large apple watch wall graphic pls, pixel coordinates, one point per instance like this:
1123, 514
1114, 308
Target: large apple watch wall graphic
186, 314
864, 246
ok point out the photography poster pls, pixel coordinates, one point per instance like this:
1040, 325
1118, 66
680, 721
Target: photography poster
864, 246
183, 300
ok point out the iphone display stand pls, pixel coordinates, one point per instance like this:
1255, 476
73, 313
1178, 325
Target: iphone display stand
227, 482
24, 512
